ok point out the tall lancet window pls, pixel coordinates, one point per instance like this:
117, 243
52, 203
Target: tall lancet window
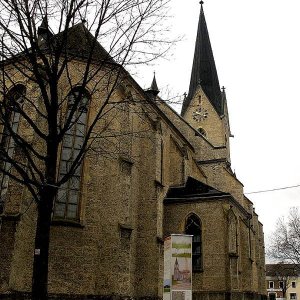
68, 196
232, 232
193, 227
10, 118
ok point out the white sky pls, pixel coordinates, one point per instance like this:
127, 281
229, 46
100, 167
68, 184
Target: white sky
257, 53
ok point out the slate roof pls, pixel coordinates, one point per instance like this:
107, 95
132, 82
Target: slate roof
282, 269
193, 188
204, 70
77, 42
154, 86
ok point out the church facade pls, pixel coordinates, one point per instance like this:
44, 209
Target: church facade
170, 175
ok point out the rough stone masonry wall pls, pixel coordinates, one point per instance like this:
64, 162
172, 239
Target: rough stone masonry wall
147, 247
22, 259
215, 273
219, 178
115, 247
228, 296
176, 164
7, 241
212, 124
99, 257
204, 150
196, 296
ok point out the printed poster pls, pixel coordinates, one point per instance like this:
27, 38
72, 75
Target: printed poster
167, 269
178, 266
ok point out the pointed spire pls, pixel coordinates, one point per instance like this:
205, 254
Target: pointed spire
43, 28
204, 72
44, 32
154, 87
225, 111
153, 90
224, 99
44, 23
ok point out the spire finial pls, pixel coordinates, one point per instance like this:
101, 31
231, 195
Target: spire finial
154, 84
204, 68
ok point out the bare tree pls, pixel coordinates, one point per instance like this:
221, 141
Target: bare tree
285, 275
52, 65
285, 241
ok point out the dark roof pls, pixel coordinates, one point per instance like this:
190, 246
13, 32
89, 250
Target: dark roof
44, 28
204, 70
77, 42
193, 188
153, 91
154, 86
194, 191
281, 269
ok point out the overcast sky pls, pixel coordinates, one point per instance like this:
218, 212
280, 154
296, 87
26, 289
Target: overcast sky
257, 52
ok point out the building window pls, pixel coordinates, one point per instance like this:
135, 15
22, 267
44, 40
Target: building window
293, 284
271, 284
293, 296
202, 131
193, 227
68, 196
10, 118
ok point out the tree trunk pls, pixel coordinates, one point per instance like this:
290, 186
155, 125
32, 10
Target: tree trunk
47, 196
42, 239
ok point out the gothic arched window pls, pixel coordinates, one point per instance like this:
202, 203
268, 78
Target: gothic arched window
193, 227
10, 117
68, 196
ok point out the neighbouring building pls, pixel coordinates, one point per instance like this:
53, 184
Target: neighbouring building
109, 225
283, 281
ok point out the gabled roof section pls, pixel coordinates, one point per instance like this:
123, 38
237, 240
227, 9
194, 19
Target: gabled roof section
78, 42
282, 269
193, 188
204, 72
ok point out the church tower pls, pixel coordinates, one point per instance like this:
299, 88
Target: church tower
205, 106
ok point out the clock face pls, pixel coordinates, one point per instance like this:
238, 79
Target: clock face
200, 114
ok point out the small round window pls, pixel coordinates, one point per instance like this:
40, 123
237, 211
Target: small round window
202, 131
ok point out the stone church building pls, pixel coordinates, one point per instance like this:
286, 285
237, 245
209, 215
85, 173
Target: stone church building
170, 174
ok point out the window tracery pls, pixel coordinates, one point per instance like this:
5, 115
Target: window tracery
193, 227
10, 118
68, 196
